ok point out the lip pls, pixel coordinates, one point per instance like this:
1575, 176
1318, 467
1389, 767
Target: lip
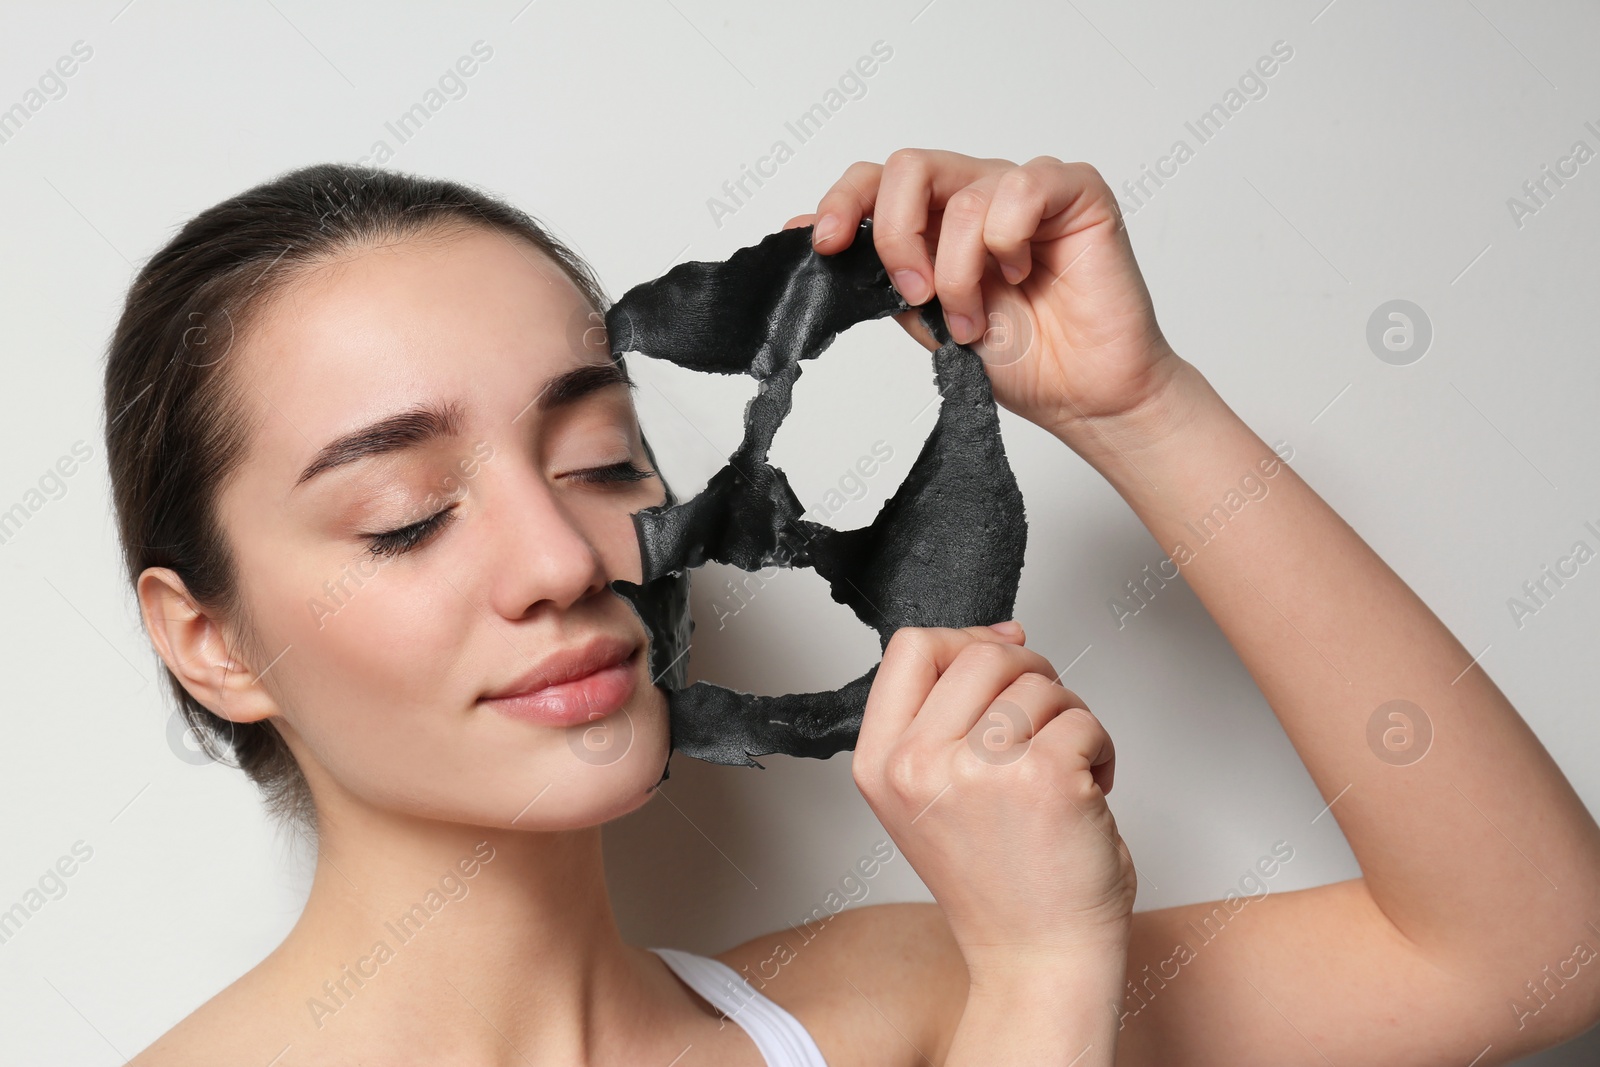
575, 685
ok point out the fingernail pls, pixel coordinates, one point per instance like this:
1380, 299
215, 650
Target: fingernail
827, 226
1011, 627
1012, 272
911, 286
960, 327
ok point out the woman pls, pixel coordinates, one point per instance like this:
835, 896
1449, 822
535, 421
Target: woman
372, 482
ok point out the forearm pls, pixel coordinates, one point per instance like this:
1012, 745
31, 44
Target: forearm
1480, 847
1059, 1020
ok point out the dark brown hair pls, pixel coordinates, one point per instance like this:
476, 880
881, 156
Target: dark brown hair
174, 426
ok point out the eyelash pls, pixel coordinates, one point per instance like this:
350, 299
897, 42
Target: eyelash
626, 471
398, 542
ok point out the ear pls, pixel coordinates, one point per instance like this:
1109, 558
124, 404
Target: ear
194, 647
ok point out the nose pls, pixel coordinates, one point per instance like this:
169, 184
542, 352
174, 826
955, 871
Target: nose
541, 554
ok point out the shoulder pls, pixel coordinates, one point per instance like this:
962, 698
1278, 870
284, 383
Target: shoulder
194, 1039
882, 983
246, 1022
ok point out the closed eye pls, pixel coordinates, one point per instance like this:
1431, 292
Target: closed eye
626, 471
397, 542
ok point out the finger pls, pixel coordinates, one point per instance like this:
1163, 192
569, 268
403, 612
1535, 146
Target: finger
912, 662
1025, 196
958, 265
912, 321
800, 220
1005, 728
844, 205
913, 182
1078, 734
974, 680
1055, 200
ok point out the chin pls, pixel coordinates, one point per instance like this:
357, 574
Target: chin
596, 787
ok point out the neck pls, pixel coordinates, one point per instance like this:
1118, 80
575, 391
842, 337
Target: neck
502, 943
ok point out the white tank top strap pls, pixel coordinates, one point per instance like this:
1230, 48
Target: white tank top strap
777, 1034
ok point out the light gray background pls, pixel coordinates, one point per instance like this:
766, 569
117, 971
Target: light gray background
1377, 166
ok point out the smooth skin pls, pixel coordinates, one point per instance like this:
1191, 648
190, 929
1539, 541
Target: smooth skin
479, 831
1024, 956
1480, 864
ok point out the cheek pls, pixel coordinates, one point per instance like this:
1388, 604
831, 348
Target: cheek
372, 683
608, 524
359, 638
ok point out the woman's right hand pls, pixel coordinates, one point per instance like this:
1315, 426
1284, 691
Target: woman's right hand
991, 778
1032, 266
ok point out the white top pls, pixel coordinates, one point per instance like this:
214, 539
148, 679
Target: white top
779, 1035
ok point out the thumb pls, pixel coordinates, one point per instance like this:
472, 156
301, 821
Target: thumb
911, 320
1007, 632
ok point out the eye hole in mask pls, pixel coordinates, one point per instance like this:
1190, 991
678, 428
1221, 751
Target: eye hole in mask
946, 549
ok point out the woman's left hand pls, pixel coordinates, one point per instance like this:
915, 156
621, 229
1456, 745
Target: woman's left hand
1032, 266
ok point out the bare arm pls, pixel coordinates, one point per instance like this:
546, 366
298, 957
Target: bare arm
1060, 1020
1481, 868
1478, 858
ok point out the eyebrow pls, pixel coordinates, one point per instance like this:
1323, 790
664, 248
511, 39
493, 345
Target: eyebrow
428, 422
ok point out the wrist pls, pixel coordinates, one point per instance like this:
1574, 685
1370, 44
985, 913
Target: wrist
1176, 393
1096, 967
1040, 1012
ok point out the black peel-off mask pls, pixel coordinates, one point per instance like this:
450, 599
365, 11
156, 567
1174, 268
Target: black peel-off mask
945, 550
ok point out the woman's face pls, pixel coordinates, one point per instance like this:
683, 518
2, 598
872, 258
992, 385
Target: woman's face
385, 646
